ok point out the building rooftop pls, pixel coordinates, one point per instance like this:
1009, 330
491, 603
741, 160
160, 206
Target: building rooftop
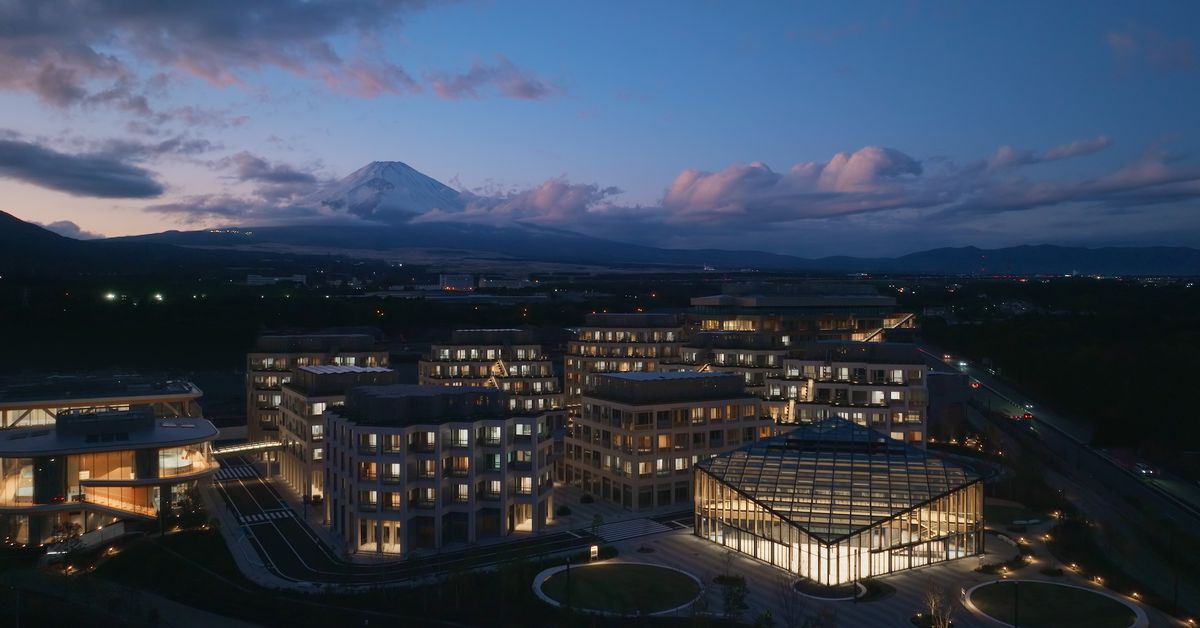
631, 320
338, 369
869, 352
398, 405
76, 432
664, 387
835, 478
57, 389
653, 376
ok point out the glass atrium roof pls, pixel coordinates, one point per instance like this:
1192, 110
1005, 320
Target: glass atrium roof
835, 478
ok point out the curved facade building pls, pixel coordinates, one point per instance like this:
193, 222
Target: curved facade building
92, 469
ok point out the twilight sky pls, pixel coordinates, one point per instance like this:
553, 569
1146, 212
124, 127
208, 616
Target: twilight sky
803, 128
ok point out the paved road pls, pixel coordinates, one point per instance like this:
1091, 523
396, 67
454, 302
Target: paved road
290, 550
1072, 440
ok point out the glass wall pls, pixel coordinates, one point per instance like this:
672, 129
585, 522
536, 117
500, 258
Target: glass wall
16, 481
184, 460
946, 528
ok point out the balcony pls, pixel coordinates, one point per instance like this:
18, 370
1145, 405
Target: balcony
488, 496
456, 472
422, 447
517, 465
368, 507
422, 504
490, 442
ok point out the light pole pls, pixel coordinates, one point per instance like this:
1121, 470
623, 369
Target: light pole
1016, 602
568, 584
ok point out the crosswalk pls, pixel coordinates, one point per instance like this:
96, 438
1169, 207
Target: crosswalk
264, 517
229, 473
629, 529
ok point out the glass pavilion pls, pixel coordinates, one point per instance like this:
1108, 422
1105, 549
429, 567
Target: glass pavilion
836, 502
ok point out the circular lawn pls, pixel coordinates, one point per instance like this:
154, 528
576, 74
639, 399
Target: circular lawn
621, 588
1050, 605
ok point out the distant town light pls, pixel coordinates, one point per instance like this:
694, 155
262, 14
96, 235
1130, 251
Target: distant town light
158, 296
111, 296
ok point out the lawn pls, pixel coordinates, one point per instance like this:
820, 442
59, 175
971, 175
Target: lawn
622, 588
999, 515
1047, 605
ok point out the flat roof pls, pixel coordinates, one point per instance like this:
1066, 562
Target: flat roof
328, 369
835, 478
76, 388
652, 376
25, 442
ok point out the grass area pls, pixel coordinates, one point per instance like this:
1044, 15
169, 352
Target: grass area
1048, 605
996, 514
622, 588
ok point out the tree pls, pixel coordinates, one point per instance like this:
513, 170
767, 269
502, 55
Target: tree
597, 521
791, 605
68, 543
939, 604
733, 597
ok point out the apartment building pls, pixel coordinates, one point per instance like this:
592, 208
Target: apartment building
804, 313
506, 359
619, 343
94, 467
274, 361
882, 386
754, 356
416, 468
311, 391
31, 403
638, 434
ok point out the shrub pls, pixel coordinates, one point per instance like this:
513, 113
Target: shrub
562, 511
586, 499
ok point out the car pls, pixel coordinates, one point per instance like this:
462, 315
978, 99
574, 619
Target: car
947, 357
1144, 469
975, 383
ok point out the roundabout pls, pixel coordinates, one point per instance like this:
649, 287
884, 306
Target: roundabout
618, 589
1037, 604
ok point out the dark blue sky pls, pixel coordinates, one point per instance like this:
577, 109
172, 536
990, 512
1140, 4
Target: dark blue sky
813, 129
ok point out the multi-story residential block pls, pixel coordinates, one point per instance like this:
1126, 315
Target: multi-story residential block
879, 385
638, 434
805, 314
619, 343
34, 403
506, 359
753, 355
414, 468
92, 468
275, 359
311, 391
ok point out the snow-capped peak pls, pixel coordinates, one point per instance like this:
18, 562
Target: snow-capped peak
391, 191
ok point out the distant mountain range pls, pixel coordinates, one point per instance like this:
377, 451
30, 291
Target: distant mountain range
390, 194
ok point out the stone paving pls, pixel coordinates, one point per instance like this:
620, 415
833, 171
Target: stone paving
768, 588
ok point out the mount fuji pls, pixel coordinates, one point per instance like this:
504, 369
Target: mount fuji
378, 202
387, 191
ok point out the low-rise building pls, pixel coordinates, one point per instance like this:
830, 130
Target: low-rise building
38, 402
619, 343
879, 385
94, 468
274, 361
311, 391
638, 434
506, 359
415, 468
834, 502
754, 356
